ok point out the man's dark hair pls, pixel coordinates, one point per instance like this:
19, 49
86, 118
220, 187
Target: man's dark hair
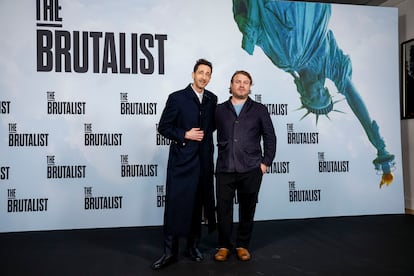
242, 73
202, 61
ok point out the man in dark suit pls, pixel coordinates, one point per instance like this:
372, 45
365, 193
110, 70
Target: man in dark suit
188, 121
241, 125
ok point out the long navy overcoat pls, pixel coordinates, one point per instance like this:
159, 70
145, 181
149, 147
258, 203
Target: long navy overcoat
188, 161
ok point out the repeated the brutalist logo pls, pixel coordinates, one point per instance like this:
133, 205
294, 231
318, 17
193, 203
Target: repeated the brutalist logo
4, 172
332, 166
20, 205
301, 137
66, 108
101, 202
4, 107
296, 195
26, 139
159, 139
137, 170
160, 196
60, 50
101, 139
274, 109
278, 167
64, 171
137, 108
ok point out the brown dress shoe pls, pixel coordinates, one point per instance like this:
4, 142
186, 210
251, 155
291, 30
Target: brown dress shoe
243, 254
222, 254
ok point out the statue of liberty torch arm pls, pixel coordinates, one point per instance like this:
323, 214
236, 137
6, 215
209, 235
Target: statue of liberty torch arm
384, 160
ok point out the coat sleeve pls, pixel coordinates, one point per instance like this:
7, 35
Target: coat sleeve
167, 125
269, 138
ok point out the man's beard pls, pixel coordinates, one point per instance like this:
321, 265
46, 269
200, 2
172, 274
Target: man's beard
241, 97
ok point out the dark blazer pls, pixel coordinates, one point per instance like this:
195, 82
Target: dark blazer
190, 163
238, 137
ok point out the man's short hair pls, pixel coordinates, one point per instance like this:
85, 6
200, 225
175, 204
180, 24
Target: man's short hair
202, 61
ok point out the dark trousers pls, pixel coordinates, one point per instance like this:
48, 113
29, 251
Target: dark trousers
247, 186
171, 242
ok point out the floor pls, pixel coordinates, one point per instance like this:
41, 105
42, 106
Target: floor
360, 245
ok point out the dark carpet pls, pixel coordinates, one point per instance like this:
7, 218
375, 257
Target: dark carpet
360, 245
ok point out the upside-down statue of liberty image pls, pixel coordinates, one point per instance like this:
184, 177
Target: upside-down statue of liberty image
295, 37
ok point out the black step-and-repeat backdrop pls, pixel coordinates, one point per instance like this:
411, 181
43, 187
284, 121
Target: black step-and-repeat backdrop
83, 84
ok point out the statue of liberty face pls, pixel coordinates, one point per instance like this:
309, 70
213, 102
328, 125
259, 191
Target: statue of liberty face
314, 95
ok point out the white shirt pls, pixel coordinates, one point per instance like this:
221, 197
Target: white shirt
199, 94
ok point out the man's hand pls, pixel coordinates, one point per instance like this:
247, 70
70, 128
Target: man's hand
194, 134
263, 167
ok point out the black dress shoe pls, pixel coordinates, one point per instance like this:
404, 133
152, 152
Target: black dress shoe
164, 261
194, 254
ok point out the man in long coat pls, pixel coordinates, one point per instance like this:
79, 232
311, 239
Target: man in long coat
188, 121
